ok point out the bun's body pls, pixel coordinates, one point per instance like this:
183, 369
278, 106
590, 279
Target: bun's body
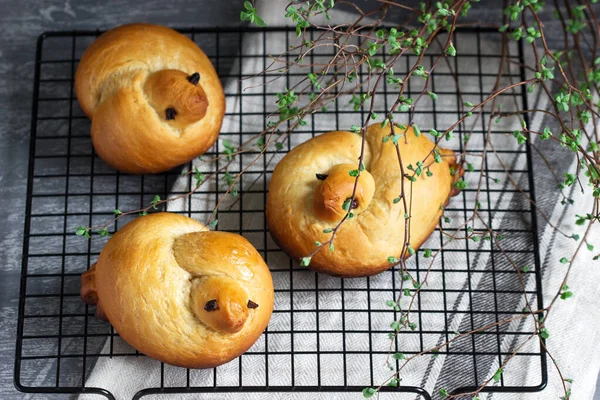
180, 293
153, 96
302, 205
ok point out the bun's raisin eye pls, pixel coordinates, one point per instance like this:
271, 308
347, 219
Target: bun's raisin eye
194, 78
252, 304
322, 177
170, 113
211, 305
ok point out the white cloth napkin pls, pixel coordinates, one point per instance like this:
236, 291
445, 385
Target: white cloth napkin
125, 376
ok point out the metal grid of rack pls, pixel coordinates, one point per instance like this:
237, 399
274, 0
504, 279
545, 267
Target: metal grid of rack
318, 320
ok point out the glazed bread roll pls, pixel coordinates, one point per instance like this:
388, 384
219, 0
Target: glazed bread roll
153, 96
312, 182
180, 293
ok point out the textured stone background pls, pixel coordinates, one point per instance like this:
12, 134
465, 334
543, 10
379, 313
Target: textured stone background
21, 22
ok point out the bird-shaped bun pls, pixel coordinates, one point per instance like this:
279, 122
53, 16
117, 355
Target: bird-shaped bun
153, 96
180, 293
311, 188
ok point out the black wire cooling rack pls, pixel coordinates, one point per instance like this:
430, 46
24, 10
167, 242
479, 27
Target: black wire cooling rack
326, 334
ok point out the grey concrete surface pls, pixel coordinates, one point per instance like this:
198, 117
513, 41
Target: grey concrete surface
20, 23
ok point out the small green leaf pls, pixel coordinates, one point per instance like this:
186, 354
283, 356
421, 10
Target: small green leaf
376, 63
404, 107
155, 201
569, 179
103, 232
444, 392
346, 205
305, 261
497, 375
547, 134
564, 260
353, 172
213, 223
398, 356
117, 212
82, 231
327, 230
566, 294
251, 15
396, 139
368, 392
451, 51
460, 184
544, 333
521, 138
198, 176
416, 130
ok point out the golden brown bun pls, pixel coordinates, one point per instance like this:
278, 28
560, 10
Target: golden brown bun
180, 293
125, 82
300, 206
